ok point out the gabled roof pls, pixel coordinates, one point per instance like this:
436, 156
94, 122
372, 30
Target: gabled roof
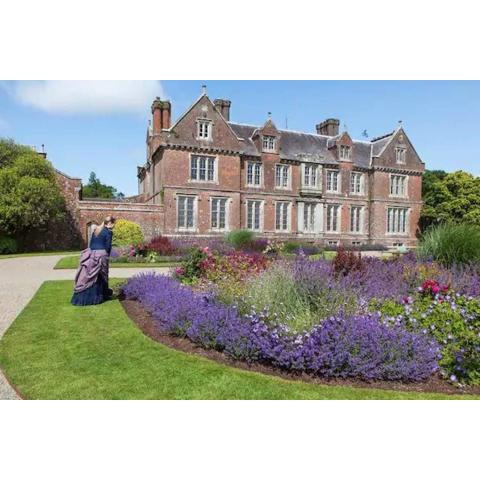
199, 99
298, 145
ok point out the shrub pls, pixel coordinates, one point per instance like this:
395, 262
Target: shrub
451, 244
126, 232
275, 294
239, 238
301, 247
160, 245
8, 245
191, 267
452, 319
258, 245
346, 262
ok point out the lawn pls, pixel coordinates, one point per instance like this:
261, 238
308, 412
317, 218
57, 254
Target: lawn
56, 351
71, 262
38, 254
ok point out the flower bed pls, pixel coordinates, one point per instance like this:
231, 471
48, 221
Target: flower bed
357, 346
365, 318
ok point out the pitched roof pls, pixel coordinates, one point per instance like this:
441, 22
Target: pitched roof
295, 145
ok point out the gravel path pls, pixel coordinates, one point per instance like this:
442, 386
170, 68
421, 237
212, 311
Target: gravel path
21, 277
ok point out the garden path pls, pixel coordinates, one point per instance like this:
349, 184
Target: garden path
21, 277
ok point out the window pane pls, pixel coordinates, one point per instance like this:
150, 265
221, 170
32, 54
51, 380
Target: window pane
278, 172
257, 215
214, 212
181, 211
189, 212
249, 173
257, 174
211, 168
202, 168
194, 168
285, 177
222, 213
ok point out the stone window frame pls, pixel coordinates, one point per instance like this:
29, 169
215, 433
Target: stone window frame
261, 214
227, 213
288, 229
405, 185
318, 173
401, 149
289, 176
339, 180
338, 218
362, 182
267, 139
194, 228
253, 185
198, 180
345, 149
312, 206
406, 220
360, 219
209, 124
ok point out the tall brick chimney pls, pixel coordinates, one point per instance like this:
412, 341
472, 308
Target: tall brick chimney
223, 107
162, 114
328, 127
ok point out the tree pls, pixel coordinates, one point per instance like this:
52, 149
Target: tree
452, 197
96, 189
29, 194
9, 151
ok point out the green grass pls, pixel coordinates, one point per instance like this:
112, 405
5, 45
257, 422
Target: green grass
56, 351
38, 254
72, 263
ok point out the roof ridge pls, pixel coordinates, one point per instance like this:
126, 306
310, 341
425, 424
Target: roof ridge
368, 142
381, 137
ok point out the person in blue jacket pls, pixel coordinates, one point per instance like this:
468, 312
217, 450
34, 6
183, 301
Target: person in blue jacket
91, 280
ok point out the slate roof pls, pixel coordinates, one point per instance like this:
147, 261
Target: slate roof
295, 145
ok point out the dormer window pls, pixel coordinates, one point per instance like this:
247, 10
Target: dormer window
400, 153
204, 129
345, 152
269, 143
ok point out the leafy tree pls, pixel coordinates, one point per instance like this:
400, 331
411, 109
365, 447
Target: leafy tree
9, 151
29, 194
96, 189
452, 197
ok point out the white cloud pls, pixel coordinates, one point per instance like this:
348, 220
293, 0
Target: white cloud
88, 97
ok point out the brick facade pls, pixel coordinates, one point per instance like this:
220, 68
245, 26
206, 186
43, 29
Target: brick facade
167, 176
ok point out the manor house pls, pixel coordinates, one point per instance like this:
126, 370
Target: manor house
205, 174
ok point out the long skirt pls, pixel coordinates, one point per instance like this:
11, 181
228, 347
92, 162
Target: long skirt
91, 280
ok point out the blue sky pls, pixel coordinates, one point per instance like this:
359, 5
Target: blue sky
100, 126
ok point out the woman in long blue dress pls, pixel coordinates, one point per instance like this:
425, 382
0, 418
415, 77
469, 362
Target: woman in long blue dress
91, 280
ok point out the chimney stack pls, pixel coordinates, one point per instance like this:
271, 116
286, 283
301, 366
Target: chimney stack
161, 111
328, 127
223, 107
